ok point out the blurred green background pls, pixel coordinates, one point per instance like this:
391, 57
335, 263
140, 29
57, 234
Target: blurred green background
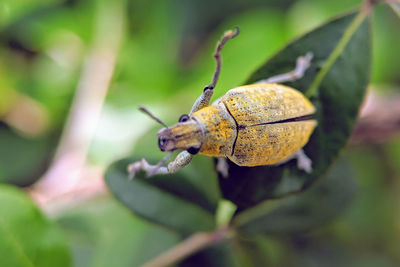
163, 60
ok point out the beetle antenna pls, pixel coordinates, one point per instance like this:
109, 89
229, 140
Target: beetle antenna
145, 110
227, 36
158, 165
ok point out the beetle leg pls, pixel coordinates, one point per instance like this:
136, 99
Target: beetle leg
302, 64
303, 162
145, 166
223, 167
204, 99
180, 161
183, 159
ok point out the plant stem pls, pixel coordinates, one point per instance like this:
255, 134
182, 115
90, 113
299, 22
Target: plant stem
66, 171
192, 244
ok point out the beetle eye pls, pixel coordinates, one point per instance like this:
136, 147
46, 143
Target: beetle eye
183, 118
193, 150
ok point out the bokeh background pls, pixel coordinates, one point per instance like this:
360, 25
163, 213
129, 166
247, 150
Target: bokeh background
72, 74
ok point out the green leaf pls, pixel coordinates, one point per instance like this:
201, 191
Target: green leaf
254, 251
339, 73
131, 241
169, 200
27, 238
327, 199
22, 160
227, 253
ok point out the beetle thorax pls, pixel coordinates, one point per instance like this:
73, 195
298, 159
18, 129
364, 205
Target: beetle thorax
219, 130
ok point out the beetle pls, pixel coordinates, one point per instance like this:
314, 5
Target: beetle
264, 123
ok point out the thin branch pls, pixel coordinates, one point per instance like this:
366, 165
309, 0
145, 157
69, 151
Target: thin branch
65, 171
189, 246
379, 119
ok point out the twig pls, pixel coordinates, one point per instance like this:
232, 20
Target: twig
379, 119
189, 246
65, 171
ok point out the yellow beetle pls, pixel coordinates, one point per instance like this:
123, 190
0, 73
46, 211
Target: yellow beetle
258, 124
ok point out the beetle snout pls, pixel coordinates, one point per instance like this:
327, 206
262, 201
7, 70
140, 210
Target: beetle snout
162, 143
166, 140
182, 135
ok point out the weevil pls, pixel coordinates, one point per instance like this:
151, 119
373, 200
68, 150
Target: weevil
264, 123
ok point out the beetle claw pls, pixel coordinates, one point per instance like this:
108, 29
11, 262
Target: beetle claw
303, 162
223, 167
303, 63
150, 170
133, 168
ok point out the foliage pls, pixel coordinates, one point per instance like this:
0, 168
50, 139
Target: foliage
27, 237
344, 213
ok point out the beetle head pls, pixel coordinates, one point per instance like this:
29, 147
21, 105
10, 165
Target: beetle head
185, 135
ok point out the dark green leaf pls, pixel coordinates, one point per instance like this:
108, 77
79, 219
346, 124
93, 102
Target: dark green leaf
219, 255
228, 253
255, 251
337, 101
333, 250
27, 238
327, 199
166, 199
22, 160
